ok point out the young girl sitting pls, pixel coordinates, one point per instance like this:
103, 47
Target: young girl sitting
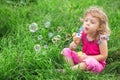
94, 38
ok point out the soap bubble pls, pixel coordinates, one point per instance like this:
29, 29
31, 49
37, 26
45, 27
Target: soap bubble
81, 19
9, 1
33, 27
59, 29
50, 35
56, 38
40, 37
47, 24
68, 37
44, 52
22, 1
45, 46
37, 47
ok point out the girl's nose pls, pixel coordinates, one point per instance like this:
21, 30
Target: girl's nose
88, 23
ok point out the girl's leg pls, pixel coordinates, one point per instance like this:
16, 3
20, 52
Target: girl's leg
67, 59
70, 56
81, 66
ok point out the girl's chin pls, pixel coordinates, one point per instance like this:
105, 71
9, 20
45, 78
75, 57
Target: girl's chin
85, 31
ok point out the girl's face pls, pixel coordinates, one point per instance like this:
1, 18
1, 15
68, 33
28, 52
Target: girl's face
90, 24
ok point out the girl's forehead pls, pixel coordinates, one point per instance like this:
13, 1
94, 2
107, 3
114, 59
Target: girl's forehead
91, 17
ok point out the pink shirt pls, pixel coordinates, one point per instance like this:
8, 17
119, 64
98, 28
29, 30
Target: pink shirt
91, 47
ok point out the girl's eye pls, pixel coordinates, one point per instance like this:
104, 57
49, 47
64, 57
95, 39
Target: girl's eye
93, 22
86, 20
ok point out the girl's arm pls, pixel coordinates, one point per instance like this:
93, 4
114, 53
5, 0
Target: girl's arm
103, 51
76, 41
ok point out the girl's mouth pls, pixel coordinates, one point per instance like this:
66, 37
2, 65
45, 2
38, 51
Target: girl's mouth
86, 29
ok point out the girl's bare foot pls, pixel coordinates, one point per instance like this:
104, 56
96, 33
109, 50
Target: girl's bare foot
61, 70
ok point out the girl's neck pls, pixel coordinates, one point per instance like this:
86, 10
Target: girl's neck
92, 37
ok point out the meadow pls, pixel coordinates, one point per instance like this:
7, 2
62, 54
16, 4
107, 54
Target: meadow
28, 53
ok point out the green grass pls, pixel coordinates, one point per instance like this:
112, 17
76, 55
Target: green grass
19, 60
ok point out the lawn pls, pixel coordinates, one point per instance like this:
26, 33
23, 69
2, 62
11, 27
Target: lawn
33, 33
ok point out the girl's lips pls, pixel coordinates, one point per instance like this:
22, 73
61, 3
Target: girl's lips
86, 29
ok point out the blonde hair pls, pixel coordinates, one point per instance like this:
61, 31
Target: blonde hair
103, 19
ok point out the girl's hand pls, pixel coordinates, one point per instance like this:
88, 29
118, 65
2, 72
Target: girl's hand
73, 46
74, 34
76, 38
83, 56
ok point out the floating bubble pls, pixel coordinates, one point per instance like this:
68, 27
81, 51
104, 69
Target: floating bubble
40, 37
37, 47
33, 27
47, 24
50, 35
56, 38
45, 46
81, 19
59, 29
8, 1
68, 37
44, 52
22, 1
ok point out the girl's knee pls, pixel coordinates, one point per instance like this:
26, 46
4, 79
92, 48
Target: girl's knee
83, 65
69, 60
65, 51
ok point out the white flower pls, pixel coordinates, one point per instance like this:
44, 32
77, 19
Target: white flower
33, 27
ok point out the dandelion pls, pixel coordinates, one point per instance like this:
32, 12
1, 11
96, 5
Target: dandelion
59, 29
37, 47
40, 37
33, 27
68, 37
50, 35
47, 24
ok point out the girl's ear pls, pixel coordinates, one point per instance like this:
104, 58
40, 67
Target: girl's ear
99, 28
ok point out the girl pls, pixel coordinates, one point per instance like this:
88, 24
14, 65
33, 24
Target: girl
94, 37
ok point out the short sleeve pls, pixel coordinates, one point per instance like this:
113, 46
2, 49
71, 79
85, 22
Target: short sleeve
103, 37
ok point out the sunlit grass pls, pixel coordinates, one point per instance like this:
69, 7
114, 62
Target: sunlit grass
35, 55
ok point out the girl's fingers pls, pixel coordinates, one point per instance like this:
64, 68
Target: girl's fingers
74, 34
